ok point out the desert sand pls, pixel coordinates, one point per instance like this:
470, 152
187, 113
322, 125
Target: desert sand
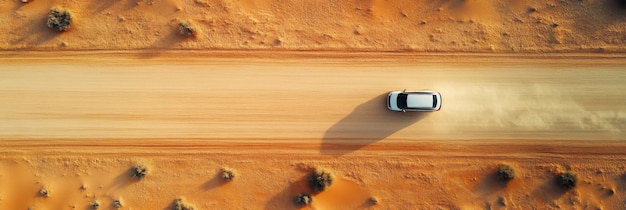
276, 89
353, 25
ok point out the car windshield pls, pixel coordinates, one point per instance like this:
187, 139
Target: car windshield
402, 100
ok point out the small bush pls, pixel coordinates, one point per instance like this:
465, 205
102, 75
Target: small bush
505, 173
43, 192
320, 180
373, 200
180, 204
227, 174
117, 204
59, 19
95, 205
303, 199
187, 29
567, 180
139, 171
501, 201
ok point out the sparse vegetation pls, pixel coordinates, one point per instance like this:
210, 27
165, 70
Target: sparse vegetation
373, 200
180, 204
227, 174
59, 19
139, 171
567, 180
303, 199
43, 192
501, 201
117, 204
187, 29
320, 180
505, 173
95, 204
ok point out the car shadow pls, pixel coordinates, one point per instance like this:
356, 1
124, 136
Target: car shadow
368, 123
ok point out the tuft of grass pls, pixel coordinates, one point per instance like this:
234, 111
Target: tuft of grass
180, 204
303, 199
139, 171
567, 180
117, 204
501, 201
227, 174
43, 192
373, 200
505, 173
320, 180
59, 19
95, 204
187, 29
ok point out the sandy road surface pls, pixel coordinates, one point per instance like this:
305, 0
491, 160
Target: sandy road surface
311, 100
85, 120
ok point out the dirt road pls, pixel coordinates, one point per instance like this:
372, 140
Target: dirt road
75, 126
314, 100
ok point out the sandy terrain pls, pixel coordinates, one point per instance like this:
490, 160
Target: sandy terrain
352, 25
87, 120
274, 89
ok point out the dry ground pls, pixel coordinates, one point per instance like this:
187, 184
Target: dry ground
353, 25
74, 123
410, 175
87, 119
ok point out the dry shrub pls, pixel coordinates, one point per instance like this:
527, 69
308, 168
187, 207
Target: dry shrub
139, 171
321, 179
303, 199
117, 204
505, 173
227, 174
59, 19
567, 180
180, 204
373, 200
95, 204
43, 192
187, 29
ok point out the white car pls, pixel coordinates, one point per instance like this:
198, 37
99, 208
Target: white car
421, 101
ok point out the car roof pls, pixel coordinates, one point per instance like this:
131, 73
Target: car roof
419, 100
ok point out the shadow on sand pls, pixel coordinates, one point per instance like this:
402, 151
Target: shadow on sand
284, 199
368, 123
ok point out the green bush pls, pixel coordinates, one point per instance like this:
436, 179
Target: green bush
187, 29
303, 199
139, 171
180, 204
567, 180
505, 173
43, 192
320, 180
59, 19
117, 204
227, 174
95, 204
373, 200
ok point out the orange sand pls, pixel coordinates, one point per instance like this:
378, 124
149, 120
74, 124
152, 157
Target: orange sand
353, 25
400, 174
